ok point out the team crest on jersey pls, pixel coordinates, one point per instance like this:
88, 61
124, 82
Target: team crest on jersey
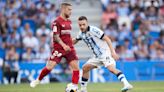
54, 29
63, 25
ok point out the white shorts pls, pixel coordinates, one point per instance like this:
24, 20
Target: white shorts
104, 61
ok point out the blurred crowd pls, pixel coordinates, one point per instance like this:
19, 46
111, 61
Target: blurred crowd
24, 29
136, 28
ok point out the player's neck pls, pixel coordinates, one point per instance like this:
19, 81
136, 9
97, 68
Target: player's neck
63, 17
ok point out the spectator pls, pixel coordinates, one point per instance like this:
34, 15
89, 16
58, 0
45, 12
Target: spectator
11, 64
152, 13
109, 15
137, 22
125, 54
155, 53
42, 55
10, 9
143, 33
43, 43
123, 9
3, 27
28, 56
124, 32
31, 12
30, 41
141, 50
14, 20
13, 40
161, 23
105, 4
160, 55
111, 32
43, 16
43, 30
26, 30
52, 13
43, 3
161, 11
161, 38
154, 26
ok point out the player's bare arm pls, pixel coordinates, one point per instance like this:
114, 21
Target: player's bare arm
109, 42
58, 40
74, 40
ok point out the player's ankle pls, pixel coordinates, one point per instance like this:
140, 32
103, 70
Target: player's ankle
76, 85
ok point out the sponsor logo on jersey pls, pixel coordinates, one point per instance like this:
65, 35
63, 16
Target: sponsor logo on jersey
65, 31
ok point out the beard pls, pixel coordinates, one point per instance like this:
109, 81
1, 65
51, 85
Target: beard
67, 16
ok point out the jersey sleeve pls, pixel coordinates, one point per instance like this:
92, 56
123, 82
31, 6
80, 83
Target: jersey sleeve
97, 32
78, 37
55, 27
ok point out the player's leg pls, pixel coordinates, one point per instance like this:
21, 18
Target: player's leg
75, 74
91, 63
46, 70
72, 59
111, 66
85, 76
51, 63
121, 77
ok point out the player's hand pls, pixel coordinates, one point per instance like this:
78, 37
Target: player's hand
115, 56
66, 48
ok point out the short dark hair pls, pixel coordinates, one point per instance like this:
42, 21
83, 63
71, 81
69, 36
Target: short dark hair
65, 4
82, 18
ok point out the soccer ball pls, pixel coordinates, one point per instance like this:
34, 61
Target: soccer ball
71, 88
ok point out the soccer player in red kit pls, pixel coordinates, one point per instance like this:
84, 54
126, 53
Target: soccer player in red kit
62, 46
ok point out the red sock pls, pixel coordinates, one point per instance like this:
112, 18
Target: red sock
75, 77
43, 73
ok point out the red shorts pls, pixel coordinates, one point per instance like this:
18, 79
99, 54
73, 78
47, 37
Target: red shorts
57, 55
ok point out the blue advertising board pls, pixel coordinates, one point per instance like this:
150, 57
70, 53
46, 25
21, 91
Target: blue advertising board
134, 71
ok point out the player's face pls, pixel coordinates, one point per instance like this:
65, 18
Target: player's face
67, 11
83, 25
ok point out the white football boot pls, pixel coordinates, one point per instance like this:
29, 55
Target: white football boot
83, 89
126, 88
34, 83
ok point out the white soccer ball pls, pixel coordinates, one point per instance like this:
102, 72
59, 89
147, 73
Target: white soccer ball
71, 88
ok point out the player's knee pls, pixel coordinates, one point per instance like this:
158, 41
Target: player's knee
74, 65
75, 68
86, 68
50, 65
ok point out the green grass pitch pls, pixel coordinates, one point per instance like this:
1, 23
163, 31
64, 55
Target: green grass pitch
92, 87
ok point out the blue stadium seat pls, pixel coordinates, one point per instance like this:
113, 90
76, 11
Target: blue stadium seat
2, 53
154, 35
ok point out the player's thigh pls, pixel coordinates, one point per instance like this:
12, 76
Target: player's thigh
88, 67
53, 60
72, 60
74, 65
50, 64
109, 61
94, 62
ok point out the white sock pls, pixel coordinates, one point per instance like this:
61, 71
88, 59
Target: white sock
122, 78
84, 82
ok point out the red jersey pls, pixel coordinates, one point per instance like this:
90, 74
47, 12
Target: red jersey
63, 28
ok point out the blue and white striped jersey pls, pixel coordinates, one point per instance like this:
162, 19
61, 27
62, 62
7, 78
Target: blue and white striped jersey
93, 38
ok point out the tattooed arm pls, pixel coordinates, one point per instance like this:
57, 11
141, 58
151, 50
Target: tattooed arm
58, 40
